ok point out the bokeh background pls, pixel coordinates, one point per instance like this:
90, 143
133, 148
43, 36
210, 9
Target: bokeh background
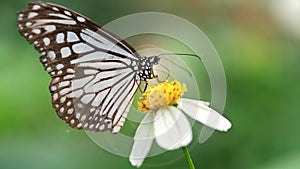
258, 43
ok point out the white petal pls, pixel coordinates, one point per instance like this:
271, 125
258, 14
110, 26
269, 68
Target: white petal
172, 129
204, 114
196, 101
142, 140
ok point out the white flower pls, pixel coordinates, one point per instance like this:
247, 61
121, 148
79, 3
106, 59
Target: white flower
170, 128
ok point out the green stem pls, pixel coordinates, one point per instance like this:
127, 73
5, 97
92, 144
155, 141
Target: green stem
188, 157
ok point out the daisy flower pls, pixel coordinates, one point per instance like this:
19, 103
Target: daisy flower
165, 121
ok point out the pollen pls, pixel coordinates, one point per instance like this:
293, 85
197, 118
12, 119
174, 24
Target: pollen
164, 94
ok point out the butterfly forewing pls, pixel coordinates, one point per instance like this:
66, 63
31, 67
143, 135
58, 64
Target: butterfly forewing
93, 71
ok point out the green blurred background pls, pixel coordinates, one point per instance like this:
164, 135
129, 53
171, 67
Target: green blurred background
259, 49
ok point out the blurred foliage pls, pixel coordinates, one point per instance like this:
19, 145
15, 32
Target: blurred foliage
261, 62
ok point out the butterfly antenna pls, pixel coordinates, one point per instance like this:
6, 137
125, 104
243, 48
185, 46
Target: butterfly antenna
176, 64
185, 54
167, 71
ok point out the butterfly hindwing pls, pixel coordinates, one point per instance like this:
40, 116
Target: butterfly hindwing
93, 71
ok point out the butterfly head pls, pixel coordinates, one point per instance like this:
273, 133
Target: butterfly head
146, 67
154, 60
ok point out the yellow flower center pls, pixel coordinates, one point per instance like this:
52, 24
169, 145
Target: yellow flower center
162, 95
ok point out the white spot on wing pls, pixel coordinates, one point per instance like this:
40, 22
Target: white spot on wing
55, 96
55, 79
59, 72
69, 70
60, 21
70, 111
72, 37
83, 117
64, 91
36, 7
53, 88
28, 23
32, 14
49, 28
46, 41
65, 52
77, 116
80, 19
51, 55
79, 105
63, 84
68, 13
36, 31
62, 99
61, 109
102, 126
48, 69
81, 48
60, 37
79, 125
68, 77
133, 63
55, 9
59, 66
59, 15
92, 109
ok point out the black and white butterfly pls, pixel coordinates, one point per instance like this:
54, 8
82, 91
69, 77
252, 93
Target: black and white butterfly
95, 74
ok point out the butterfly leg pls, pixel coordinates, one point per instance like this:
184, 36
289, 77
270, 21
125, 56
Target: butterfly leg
140, 89
167, 71
168, 75
145, 88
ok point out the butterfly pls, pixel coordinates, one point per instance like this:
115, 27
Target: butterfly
94, 73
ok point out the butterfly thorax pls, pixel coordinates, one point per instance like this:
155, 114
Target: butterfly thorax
145, 70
